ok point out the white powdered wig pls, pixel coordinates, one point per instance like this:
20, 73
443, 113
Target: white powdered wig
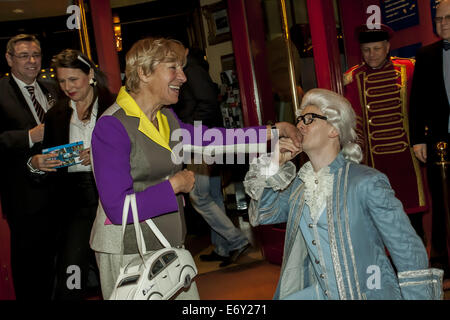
340, 115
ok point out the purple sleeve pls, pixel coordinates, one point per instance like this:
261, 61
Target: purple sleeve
195, 135
111, 161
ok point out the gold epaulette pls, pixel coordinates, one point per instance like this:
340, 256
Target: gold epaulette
412, 60
348, 76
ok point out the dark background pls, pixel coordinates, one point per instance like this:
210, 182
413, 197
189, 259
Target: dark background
167, 18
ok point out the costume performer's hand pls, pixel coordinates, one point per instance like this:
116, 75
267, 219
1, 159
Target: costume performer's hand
288, 130
287, 150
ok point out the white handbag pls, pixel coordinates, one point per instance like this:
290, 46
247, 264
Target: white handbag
153, 275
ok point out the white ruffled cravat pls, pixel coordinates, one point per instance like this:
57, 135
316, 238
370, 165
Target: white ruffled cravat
318, 186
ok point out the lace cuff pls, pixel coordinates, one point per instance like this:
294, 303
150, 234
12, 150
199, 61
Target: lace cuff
263, 173
423, 284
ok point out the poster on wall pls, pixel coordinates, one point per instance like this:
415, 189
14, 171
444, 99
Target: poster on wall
400, 14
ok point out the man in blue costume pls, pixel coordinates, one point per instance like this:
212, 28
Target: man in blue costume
340, 215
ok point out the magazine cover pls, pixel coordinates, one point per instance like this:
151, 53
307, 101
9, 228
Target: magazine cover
69, 154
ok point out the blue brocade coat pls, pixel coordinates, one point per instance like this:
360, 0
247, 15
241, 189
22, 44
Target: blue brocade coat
363, 217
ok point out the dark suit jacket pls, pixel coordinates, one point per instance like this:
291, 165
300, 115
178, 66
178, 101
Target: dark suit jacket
198, 99
429, 107
20, 196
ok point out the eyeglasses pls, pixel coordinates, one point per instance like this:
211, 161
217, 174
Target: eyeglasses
441, 19
308, 118
25, 56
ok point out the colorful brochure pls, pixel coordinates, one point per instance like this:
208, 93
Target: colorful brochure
69, 153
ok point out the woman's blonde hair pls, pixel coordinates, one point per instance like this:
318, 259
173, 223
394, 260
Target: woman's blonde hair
147, 54
340, 115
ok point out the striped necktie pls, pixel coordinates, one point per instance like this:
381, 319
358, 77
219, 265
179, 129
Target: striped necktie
37, 106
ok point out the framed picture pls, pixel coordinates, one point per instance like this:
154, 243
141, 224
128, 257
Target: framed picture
227, 62
218, 24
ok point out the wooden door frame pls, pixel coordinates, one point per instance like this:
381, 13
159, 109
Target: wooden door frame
257, 105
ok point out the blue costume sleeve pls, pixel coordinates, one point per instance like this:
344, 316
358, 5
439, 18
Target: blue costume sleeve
405, 247
270, 192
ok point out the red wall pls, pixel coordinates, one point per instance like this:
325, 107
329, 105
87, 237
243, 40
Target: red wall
420, 33
353, 13
325, 45
6, 285
108, 59
242, 53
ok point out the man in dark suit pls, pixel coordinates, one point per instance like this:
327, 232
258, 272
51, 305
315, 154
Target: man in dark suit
430, 125
25, 203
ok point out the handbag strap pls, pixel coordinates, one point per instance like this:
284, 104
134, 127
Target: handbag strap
149, 222
137, 228
158, 233
130, 199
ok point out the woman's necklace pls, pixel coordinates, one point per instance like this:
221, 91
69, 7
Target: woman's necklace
80, 112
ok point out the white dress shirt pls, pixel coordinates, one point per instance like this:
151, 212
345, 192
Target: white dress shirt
40, 97
82, 131
446, 58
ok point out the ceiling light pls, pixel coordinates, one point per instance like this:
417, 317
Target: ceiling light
18, 11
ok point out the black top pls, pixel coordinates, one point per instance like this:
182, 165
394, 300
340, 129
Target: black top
429, 107
198, 98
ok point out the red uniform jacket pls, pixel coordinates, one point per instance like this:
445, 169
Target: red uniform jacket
380, 100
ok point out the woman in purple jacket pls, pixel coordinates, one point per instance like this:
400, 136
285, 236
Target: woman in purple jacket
133, 148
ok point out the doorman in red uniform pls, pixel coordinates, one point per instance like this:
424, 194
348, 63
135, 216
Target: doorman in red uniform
378, 90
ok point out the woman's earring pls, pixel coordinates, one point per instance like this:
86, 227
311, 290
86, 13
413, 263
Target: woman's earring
93, 82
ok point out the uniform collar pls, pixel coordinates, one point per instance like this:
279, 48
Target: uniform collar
131, 108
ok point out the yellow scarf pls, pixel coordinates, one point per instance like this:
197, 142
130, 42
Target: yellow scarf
131, 108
